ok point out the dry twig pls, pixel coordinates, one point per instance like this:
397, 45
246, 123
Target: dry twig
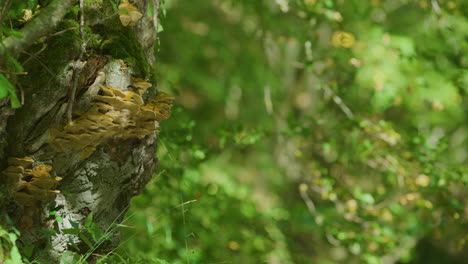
78, 65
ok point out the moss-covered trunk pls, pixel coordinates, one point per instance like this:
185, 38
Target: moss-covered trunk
106, 154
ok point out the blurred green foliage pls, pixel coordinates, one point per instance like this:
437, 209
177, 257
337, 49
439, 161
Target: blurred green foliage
309, 132
306, 131
9, 253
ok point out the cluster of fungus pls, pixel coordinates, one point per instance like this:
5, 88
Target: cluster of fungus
129, 14
30, 185
114, 114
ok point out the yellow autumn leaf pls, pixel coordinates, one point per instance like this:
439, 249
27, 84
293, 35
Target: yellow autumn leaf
343, 39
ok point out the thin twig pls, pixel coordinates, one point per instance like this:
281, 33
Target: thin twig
61, 31
34, 56
313, 211
78, 65
435, 6
40, 62
332, 240
337, 100
267, 99
21, 93
14, 73
309, 203
185, 203
82, 33
185, 240
109, 17
4, 13
155, 16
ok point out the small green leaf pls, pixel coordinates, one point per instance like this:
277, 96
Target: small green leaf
15, 257
58, 218
12, 32
95, 232
71, 231
75, 224
86, 240
28, 250
366, 198
7, 88
114, 5
89, 220
18, 66
3, 89
73, 244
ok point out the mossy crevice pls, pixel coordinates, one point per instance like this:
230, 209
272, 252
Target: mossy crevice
123, 44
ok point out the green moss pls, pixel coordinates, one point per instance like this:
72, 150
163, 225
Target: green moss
93, 11
90, 3
60, 50
94, 41
73, 14
64, 47
123, 44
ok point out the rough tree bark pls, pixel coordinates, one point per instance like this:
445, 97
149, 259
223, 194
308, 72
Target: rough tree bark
103, 181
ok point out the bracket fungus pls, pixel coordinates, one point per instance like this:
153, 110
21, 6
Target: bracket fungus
141, 85
128, 14
114, 114
29, 185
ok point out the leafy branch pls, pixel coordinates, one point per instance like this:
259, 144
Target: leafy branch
46, 20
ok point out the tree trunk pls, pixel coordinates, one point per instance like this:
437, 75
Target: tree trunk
102, 166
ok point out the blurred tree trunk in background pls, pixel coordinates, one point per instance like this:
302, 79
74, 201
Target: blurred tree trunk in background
98, 187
